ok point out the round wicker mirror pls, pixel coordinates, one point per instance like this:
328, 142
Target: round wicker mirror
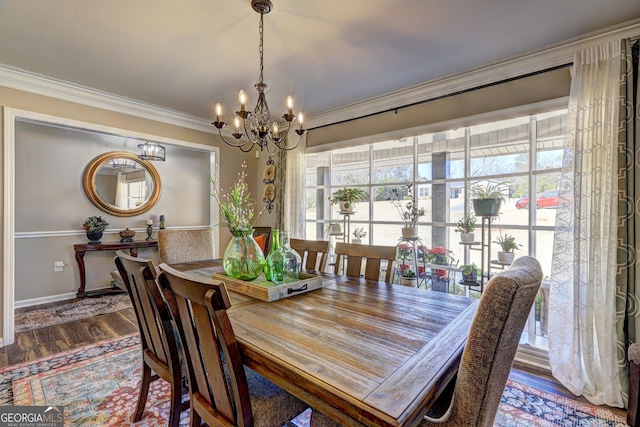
121, 184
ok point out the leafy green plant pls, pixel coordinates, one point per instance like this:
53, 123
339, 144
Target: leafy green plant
359, 233
468, 268
466, 224
489, 190
507, 243
95, 224
351, 195
407, 273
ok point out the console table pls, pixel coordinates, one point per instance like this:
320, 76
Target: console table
81, 248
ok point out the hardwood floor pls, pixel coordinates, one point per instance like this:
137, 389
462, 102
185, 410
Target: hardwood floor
57, 338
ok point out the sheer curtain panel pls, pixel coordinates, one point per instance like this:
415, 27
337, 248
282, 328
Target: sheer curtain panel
582, 311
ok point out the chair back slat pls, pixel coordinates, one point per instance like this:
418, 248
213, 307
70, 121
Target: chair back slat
314, 253
199, 306
374, 256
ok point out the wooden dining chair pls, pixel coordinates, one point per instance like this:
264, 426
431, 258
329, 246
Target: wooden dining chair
373, 256
177, 246
160, 348
314, 253
222, 390
262, 235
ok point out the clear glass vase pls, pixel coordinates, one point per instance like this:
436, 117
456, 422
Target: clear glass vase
292, 260
243, 259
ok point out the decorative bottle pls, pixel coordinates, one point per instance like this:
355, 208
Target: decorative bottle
292, 260
274, 267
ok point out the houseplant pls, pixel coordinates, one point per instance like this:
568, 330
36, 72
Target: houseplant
409, 278
441, 256
334, 228
94, 226
487, 198
466, 225
508, 245
243, 259
408, 210
358, 235
347, 197
469, 273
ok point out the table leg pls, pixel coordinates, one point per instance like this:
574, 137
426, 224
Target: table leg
80, 261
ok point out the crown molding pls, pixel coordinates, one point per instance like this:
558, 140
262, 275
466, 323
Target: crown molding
507, 68
46, 86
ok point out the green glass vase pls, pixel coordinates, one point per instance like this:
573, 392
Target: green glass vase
243, 259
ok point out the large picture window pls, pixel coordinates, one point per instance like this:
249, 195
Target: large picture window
523, 153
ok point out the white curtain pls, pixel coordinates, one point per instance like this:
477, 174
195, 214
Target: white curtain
582, 312
294, 191
121, 191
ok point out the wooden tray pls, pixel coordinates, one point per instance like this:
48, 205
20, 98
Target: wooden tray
264, 290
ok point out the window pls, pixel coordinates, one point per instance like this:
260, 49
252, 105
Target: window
524, 153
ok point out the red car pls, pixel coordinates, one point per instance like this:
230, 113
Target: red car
547, 199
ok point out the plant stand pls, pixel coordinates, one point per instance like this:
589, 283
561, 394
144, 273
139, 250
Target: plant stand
407, 255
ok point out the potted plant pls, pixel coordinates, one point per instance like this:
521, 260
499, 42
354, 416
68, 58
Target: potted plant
487, 198
334, 228
94, 226
439, 255
508, 245
358, 235
409, 212
347, 197
469, 273
409, 278
466, 225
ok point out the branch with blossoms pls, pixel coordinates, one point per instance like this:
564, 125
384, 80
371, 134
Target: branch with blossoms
236, 206
409, 211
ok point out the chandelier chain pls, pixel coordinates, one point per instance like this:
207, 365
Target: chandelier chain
261, 48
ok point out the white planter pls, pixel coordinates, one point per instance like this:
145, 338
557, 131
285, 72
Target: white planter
506, 257
357, 241
409, 232
409, 281
335, 229
346, 206
467, 237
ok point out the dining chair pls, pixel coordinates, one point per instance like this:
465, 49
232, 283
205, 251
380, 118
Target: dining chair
633, 356
160, 348
487, 357
262, 235
314, 253
373, 256
222, 390
177, 246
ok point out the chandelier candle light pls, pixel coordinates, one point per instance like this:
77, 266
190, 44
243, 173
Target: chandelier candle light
260, 129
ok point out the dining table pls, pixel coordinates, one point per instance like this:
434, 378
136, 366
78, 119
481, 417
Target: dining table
365, 353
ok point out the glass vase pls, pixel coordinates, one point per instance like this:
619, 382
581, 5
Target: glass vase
292, 260
243, 259
274, 268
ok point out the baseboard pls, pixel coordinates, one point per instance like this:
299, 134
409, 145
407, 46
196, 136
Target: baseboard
44, 300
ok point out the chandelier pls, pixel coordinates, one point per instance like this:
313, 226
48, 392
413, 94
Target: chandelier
259, 128
151, 151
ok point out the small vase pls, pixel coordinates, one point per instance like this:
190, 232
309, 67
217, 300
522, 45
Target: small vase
94, 236
467, 237
345, 207
409, 281
292, 259
506, 257
243, 259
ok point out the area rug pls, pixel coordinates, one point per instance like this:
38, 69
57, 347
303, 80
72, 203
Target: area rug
98, 385
80, 309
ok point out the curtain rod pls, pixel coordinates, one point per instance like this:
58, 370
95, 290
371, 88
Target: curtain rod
460, 92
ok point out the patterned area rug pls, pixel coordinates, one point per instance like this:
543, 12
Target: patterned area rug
98, 386
64, 313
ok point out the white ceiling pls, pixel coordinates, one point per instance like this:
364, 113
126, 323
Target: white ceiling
186, 55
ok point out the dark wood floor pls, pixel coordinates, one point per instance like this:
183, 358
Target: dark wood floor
57, 338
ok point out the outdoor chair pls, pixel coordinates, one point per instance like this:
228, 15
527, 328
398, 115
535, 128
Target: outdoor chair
222, 390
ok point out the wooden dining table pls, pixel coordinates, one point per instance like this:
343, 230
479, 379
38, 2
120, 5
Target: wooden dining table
363, 352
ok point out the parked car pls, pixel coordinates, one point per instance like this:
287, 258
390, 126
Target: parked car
546, 199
